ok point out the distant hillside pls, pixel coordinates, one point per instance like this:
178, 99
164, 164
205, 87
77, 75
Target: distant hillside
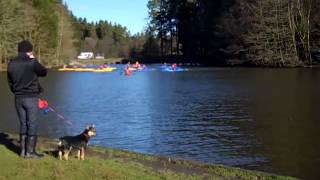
57, 35
46, 23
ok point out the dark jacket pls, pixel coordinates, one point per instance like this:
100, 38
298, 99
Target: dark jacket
23, 74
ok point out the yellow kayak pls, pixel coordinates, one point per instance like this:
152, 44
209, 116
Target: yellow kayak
84, 69
66, 69
108, 69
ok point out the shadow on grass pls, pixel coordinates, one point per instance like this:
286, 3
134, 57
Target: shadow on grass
14, 145
10, 143
53, 153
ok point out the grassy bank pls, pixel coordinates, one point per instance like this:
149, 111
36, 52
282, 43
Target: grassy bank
107, 163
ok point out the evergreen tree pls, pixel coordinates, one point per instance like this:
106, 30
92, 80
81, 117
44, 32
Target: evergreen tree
267, 33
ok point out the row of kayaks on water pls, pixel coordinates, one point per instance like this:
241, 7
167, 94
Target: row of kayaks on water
105, 69
110, 69
163, 69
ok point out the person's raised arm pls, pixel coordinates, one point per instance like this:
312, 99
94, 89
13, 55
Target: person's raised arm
39, 69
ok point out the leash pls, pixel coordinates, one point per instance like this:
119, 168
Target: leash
43, 104
60, 116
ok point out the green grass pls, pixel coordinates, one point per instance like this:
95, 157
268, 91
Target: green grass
107, 163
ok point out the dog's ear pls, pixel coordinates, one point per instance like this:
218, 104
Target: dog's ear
93, 126
88, 127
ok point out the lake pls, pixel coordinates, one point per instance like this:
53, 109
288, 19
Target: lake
260, 119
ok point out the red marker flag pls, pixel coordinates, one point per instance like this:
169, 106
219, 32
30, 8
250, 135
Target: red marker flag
42, 103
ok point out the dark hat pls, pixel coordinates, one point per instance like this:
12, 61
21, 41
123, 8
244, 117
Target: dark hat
25, 46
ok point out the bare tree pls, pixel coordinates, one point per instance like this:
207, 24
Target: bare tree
9, 28
279, 33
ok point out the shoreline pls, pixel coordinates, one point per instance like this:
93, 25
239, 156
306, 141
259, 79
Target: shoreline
109, 163
3, 67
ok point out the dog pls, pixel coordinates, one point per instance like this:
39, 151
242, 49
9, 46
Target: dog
78, 142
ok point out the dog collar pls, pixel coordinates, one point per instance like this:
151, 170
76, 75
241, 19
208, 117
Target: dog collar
87, 136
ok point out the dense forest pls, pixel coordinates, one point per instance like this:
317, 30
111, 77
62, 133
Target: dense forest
102, 38
269, 33
58, 36
46, 23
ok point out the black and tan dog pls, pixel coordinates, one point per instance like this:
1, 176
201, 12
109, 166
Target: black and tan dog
79, 143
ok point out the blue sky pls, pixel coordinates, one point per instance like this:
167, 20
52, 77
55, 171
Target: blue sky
129, 13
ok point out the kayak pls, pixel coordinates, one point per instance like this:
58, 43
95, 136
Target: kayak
146, 70
135, 69
84, 69
170, 69
66, 69
108, 69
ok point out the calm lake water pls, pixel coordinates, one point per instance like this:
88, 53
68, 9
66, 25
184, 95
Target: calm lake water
261, 119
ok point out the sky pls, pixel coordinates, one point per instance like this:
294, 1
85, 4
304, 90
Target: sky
129, 13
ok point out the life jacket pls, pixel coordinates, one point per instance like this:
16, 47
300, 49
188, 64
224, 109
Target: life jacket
127, 72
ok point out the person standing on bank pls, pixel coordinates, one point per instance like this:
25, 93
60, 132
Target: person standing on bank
23, 72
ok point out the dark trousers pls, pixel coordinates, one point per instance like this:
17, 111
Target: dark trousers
27, 109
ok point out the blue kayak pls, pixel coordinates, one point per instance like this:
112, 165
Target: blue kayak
170, 69
145, 70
